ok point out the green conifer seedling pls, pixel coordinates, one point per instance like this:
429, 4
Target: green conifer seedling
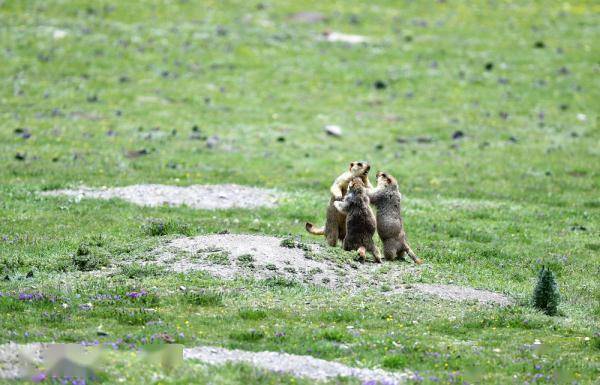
546, 296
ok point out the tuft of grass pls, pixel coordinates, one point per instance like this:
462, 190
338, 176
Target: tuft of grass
335, 335
252, 314
159, 227
281, 282
246, 260
10, 305
340, 316
204, 298
91, 254
251, 335
135, 316
137, 270
395, 362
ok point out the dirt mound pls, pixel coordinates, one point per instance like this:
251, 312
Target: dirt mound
455, 293
208, 197
262, 257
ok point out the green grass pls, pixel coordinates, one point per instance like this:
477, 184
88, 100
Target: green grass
133, 91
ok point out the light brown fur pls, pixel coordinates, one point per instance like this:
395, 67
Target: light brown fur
335, 223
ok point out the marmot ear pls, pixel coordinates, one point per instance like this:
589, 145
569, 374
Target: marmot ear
368, 167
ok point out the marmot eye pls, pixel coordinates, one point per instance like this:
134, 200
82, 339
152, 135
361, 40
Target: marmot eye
359, 164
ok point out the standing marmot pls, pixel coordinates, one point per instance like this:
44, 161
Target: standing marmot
386, 199
335, 225
360, 220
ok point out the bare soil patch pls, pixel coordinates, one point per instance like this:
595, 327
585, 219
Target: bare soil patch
299, 366
455, 293
261, 257
208, 197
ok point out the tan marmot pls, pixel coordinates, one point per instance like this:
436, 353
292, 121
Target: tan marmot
386, 198
360, 220
335, 224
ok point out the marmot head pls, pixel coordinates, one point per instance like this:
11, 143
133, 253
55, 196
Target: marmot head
356, 185
359, 168
384, 179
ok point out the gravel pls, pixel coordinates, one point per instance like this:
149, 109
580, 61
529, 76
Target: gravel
296, 365
455, 293
260, 257
209, 197
14, 359
299, 366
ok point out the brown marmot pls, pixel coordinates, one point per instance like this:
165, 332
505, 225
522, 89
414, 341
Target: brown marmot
386, 197
335, 224
360, 220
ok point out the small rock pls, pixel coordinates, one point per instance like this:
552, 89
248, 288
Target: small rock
333, 130
221, 31
344, 38
59, 34
307, 17
132, 154
213, 141
182, 288
581, 117
380, 85
458, 135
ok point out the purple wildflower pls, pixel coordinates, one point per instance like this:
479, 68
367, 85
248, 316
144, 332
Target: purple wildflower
39, 377
137, 294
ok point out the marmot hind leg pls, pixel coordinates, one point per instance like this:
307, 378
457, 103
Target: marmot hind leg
406, 248
342, 229
331, 233
390, 249
371, 248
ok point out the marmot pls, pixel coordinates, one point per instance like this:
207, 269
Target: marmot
360, 220
335, 224
386, 199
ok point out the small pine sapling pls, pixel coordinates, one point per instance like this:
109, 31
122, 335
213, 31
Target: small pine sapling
546, 296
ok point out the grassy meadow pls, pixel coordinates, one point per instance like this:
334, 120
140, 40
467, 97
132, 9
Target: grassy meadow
485, 111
